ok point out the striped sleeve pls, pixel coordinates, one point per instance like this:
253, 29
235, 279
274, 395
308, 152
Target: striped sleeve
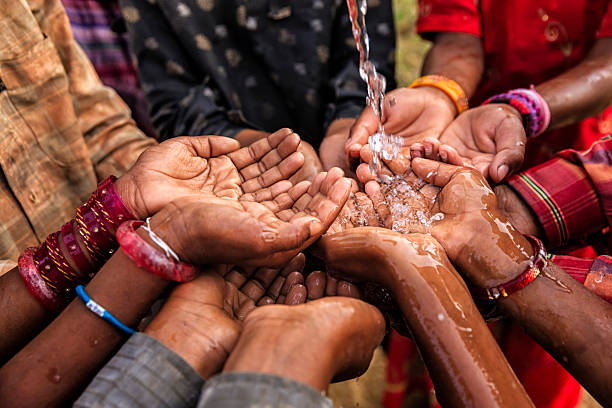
571, 194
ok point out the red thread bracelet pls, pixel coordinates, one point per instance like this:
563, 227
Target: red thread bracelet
150, 259
518, 283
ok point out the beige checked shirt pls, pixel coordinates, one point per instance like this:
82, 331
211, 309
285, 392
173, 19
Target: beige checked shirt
61, 130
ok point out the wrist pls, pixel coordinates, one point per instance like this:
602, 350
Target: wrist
451, 89
129, 193
517, 211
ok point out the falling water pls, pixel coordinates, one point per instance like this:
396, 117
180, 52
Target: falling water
383, 145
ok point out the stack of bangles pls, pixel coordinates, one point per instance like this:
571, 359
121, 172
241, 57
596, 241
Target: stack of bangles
533, 109
539, 261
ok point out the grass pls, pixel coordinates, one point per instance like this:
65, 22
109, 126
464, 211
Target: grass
410, 48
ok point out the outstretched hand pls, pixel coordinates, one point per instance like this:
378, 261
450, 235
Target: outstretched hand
267, 227
411, 113
208, 165
489, 138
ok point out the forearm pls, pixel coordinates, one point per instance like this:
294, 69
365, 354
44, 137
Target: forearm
582, 91
571, 323
455, 341
62, 359
22, 315
459, 57
248, 136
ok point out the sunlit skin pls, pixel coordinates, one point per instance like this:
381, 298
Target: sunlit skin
569, 321
128, 292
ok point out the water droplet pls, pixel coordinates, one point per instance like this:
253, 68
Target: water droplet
54, 376
440, 316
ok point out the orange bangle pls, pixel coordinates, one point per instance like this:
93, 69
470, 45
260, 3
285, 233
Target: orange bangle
446, 85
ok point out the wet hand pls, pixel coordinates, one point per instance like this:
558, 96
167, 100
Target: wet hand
412, 113
490, 138
207, 166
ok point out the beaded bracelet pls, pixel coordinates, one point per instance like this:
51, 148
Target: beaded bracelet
46, 271
167, 266
100, 311
451, 88
533, 109
533, 271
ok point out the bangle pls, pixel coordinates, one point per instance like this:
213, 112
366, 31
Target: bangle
167, 265
533, 109
451, 88
536, 265
74, 249
100, 311
36, 285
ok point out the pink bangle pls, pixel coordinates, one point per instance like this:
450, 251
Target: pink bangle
114, 210
62, 265
150, 259
74, 249
36, 284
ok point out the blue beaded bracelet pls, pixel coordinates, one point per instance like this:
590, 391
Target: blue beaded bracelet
100, 311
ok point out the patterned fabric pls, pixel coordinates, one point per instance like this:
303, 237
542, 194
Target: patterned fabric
528, 42
61, 130
571, 196
220, 66
98, 27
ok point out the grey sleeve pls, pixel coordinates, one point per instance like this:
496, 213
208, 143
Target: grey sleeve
144, 373
254, 390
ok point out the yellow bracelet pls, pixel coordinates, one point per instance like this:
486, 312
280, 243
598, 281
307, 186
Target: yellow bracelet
446, 85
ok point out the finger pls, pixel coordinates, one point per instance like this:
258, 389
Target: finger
276, 287
417, 150
297, 295
251, 154
296, 264
365, 126
510, 141
366, 207
259, 282
373, 190
328, 208
348, 289
401, 164
209, 146
331, 287
266, 300
294, 278
434, 172
283, 171
431, 146
315, 283
366, 154
237, 276
449, 154
285, 201
268, 193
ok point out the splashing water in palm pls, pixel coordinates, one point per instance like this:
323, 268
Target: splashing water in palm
383, 145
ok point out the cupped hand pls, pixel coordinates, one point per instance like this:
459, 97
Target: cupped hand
207, 165
412, 113
202, 319
267, 227
490, 138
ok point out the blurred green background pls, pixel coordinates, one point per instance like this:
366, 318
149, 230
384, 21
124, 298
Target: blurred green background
410, 48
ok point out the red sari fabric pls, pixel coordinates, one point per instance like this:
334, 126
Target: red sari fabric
526, 42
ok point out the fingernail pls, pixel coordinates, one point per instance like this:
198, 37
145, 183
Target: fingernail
444, 156
502, 171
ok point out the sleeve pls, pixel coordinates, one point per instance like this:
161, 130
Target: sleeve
6, 265
605, 28
143, 374
596, 275
454, 16
349, 89
239, 390
182, 99
113, 140
571, 194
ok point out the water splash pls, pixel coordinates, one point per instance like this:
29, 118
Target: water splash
384, 146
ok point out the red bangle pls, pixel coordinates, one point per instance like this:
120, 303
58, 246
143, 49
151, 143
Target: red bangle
36, 285
518, 283
115, 212
74, 249
150, 259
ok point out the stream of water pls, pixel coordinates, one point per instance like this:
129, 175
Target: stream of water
384, 146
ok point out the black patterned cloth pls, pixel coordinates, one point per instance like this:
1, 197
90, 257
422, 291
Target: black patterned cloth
221, 66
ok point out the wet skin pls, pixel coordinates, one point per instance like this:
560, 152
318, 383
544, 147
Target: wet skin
128, 292
569, 321
464, 361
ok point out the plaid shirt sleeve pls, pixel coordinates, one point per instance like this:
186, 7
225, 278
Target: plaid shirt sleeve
595, 274
571, 194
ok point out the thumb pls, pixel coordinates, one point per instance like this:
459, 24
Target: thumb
510, 146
